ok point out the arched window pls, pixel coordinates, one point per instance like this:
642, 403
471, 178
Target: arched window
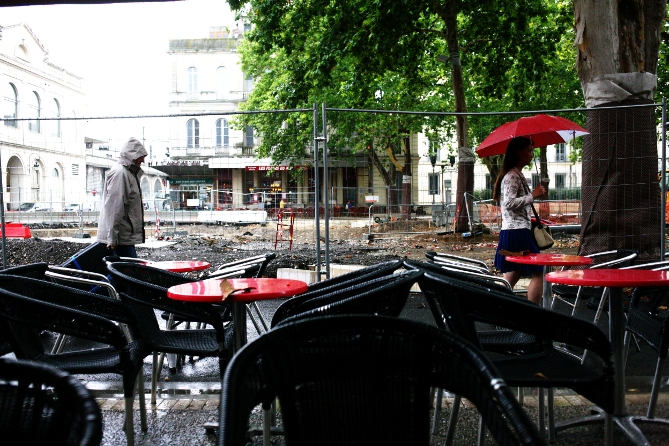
10, 105
222, 133
34, 111
193, 132
55, 125
221, 78
192, 83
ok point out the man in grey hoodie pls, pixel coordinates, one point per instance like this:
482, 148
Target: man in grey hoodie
121, 224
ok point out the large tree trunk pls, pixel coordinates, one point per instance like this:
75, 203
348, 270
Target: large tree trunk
618, 45
466, 157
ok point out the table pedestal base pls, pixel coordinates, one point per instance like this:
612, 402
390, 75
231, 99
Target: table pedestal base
626, 423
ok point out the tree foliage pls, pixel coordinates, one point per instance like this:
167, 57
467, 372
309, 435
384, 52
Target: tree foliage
385, 55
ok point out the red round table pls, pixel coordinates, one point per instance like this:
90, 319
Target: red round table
180, 266
251, 290
615, 280
548, 261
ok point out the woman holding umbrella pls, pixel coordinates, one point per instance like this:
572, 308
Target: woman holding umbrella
512, 192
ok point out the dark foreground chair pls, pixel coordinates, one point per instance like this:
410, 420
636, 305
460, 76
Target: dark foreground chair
42, 405
29, 305
363, 380
462, 304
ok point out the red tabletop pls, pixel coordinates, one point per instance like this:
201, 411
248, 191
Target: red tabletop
548, 259
180, 266
260, 289
616, 278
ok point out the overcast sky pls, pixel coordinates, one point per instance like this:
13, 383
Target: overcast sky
121, 52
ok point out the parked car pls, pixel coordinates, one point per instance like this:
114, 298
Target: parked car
76, 207
35, 207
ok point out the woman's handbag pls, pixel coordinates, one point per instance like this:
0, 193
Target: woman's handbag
540, 232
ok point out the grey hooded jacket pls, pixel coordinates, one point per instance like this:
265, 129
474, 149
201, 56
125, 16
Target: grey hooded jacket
122, 215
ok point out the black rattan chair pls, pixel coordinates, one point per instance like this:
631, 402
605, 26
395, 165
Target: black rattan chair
42, 405
363, 380
648, 319
29, 305
386, 295
144, 289
464, 304
318, 289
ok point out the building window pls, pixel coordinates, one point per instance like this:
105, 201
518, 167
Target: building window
248, 137
193, 131
192, 83
535, 181
560, 180
434, 183
561, 152
10, 105
55, 127
222, 133
221, 78
34, 110
248, 84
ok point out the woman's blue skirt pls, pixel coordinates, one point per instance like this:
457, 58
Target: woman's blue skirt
516, 240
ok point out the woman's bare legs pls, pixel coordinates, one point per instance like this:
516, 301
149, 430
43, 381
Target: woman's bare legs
512, 277
535, 289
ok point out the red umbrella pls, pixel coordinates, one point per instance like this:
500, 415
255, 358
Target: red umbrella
541, 129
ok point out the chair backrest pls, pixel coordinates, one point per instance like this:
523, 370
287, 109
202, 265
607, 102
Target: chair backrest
42, 405
368, 272
386, 295
26, 302
495, 282
144, 288
262, 260
36, 270
91, 258
363, 380
436, 256
318, 289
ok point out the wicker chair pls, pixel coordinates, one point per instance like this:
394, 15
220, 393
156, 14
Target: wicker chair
29, 305
648, 320
386, 295
363, 380
318, 289
464, 304
144, 289
43, 405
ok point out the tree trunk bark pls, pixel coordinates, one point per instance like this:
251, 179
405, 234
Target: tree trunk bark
618, 44
466, 158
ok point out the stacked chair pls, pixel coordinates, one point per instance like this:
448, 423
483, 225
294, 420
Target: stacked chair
574, 296
43, 405
144, 289
29, 305
461, 304
327, 291
363, 380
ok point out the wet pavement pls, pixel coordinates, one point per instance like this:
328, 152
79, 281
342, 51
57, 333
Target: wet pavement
190, 397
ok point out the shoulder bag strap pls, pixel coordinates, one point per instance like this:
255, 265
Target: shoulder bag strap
527, 189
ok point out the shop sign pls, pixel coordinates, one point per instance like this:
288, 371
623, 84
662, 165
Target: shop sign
190, 181
277, 168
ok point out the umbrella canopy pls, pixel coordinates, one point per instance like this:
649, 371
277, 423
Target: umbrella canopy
541, 129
